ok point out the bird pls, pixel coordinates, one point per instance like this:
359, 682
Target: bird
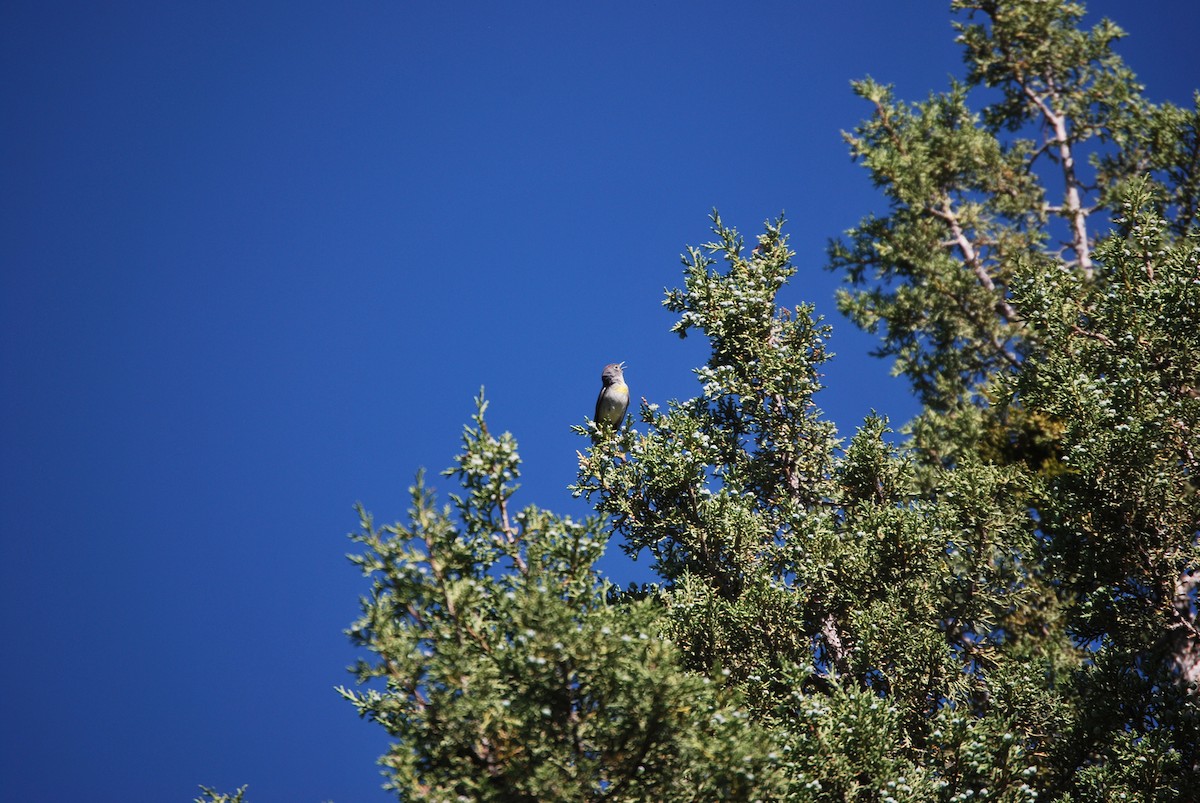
613, 400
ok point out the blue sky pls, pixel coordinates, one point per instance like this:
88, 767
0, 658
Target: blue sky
256, 259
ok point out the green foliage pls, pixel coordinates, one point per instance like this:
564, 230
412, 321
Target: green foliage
1003, 607
1122, 518
1121, 376
973, 195
506, 673
213, 796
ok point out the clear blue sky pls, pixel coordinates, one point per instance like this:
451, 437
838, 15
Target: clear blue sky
256, 258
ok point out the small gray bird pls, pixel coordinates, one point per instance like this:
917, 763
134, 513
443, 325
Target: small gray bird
613, 400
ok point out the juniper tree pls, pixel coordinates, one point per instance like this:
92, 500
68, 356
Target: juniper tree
1037, 338
1002, 606
508, 673
1028, 176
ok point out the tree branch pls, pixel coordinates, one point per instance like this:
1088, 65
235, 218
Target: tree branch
838, 653
971, 256
1074, 203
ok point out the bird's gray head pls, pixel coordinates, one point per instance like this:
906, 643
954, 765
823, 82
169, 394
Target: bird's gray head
613, 372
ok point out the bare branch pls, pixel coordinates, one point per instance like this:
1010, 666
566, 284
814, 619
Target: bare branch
971, 257
838, 653
1074, 203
